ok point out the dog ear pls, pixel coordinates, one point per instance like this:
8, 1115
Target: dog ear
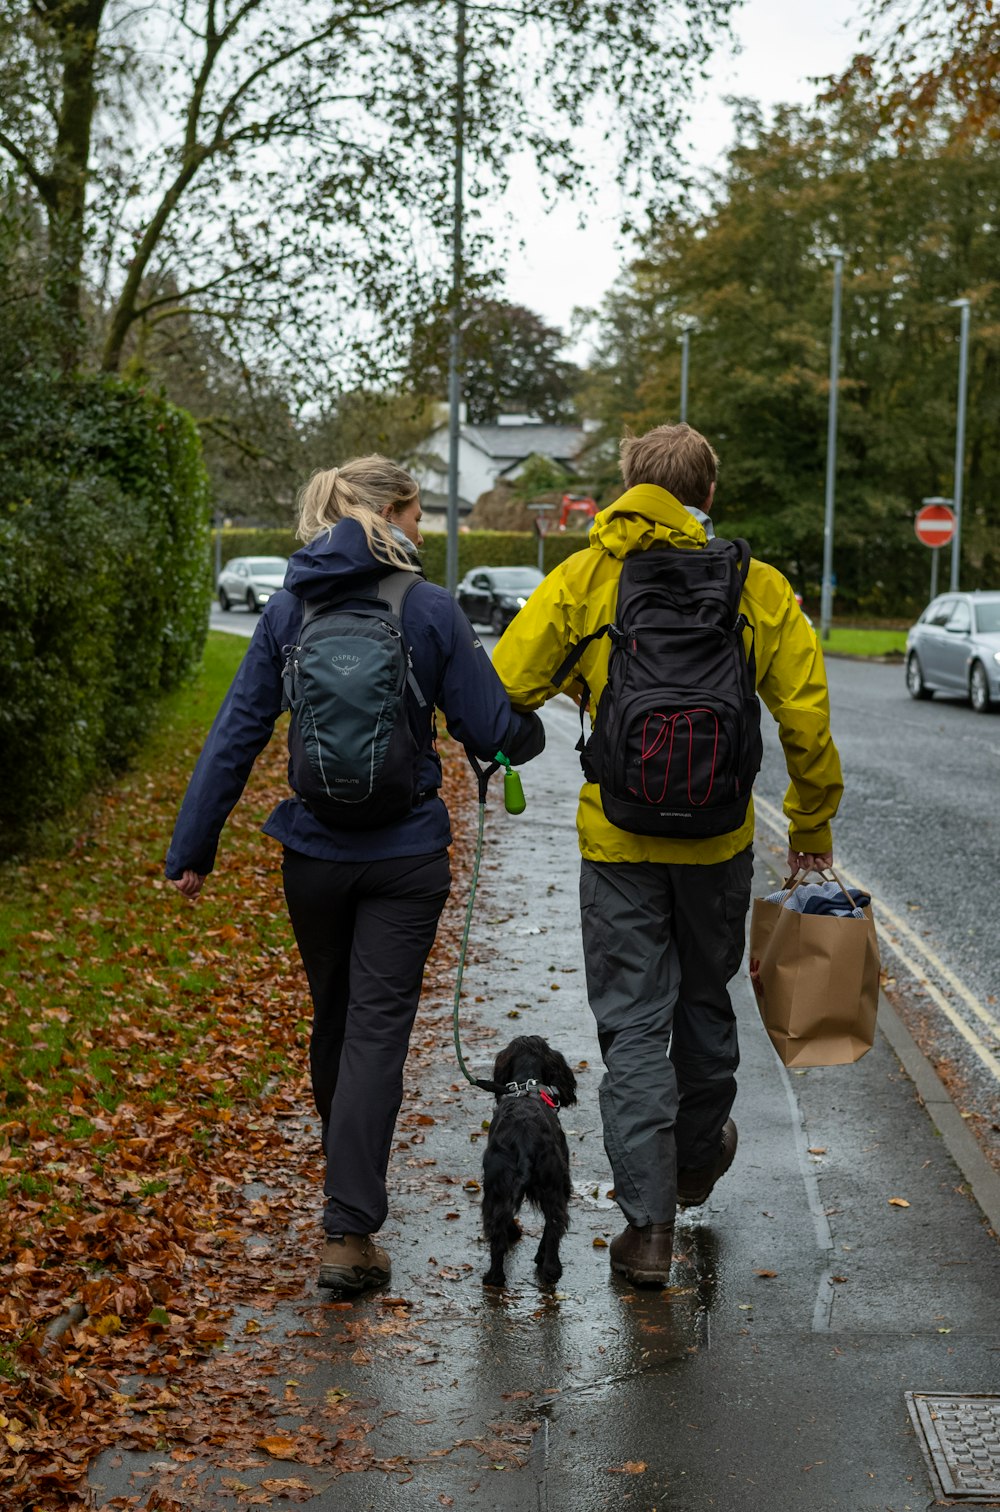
503, 1066
561, 1077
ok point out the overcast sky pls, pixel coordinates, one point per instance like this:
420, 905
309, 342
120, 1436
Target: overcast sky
784, 43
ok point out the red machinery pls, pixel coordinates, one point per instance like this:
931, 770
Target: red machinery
576, 511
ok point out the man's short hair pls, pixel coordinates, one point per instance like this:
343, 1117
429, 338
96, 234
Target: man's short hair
673, 457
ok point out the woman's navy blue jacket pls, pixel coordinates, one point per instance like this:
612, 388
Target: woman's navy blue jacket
455, 675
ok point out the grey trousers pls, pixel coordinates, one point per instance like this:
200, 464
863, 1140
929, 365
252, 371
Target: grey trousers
661, 944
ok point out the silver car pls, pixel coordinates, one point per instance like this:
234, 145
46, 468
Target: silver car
250, 581
955, 648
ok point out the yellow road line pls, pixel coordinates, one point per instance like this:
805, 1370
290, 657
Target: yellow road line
892, 926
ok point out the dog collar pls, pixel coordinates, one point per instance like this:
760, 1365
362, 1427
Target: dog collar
528, 1088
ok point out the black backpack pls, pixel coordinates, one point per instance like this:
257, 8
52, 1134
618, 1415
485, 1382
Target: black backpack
676, 742
353, 741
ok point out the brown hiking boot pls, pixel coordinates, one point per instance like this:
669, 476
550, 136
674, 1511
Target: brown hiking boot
694, 1186
643, 1255
352, 1263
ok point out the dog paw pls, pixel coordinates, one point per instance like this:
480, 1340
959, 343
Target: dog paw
494, 1278
549, 1274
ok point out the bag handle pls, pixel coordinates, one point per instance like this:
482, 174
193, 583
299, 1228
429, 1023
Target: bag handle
827, 873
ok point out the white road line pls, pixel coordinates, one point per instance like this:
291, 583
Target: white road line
893, 928
823, 1305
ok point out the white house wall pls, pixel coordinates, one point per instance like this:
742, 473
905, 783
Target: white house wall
476, 471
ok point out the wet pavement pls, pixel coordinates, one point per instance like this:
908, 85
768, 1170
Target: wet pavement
770, 1374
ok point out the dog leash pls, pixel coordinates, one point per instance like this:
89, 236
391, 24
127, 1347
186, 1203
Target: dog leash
513, 794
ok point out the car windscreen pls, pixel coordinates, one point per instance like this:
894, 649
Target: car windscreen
516, 579
988, 617
267, 564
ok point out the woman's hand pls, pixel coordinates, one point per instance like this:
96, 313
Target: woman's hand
189, 883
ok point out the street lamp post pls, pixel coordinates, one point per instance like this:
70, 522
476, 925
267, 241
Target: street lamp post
454, 353
687, 326
826, 594
963, 376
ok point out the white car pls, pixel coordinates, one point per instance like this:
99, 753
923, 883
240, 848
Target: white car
250, 581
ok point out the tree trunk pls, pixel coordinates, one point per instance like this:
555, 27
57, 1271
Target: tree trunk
75, 26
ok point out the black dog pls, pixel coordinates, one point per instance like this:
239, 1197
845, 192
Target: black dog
526, 1154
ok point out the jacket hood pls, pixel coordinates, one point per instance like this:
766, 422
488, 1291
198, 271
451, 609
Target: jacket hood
643, 516
332, 561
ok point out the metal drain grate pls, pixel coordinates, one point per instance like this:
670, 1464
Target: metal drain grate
960, 1437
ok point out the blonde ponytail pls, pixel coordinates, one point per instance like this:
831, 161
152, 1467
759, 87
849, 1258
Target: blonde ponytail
360, 490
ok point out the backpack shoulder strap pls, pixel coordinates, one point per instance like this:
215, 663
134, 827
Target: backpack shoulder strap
392, 590
394, 587
720, 543
566, 666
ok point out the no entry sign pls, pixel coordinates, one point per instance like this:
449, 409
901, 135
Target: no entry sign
935, 525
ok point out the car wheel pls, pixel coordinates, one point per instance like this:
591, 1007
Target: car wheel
979, 688
915, 685
252, 603
497, 622
225, 602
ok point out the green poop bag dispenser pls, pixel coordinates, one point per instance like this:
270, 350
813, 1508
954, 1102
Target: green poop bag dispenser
513, 792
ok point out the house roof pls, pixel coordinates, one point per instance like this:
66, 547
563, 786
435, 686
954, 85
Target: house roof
512, 442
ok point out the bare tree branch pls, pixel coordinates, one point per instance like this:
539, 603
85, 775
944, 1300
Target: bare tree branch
42, 181
180, 296
220, 427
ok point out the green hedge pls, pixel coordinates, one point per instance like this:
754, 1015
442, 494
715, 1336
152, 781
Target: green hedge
476, 548
104, 583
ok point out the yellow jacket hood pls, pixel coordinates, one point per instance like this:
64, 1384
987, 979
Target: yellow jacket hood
645, 516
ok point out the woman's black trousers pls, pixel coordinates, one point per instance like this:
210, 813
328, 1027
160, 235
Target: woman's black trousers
365, 930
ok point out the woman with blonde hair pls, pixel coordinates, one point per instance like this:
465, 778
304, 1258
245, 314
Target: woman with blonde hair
364, 903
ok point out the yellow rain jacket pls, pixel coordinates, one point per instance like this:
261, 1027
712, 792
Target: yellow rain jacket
580, 596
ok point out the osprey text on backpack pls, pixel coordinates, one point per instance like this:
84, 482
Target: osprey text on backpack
353, 745
676, 740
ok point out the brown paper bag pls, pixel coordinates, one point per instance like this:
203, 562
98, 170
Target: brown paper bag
816, 977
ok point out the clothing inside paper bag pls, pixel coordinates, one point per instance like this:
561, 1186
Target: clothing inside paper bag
822, 898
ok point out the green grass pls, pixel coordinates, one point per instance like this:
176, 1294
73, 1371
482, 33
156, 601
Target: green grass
85, 940
871, 642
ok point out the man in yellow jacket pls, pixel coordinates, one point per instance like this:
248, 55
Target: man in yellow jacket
664, 919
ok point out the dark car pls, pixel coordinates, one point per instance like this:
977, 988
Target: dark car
955, 648
493, 595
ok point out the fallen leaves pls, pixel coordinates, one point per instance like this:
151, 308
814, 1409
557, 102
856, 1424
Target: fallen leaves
899, 1202
290, 1488
279, 1446
144, 1062
630, 1467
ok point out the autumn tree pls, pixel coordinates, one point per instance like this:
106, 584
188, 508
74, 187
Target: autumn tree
512, 361
918, 231
932, 59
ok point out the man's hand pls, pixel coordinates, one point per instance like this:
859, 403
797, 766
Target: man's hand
189, 883
806, 861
